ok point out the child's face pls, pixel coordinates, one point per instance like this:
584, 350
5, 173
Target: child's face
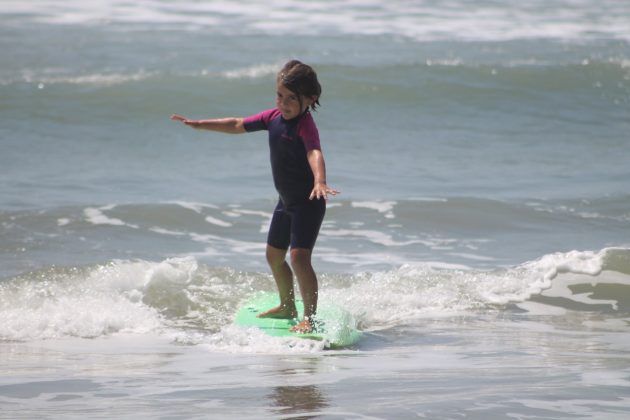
289, 104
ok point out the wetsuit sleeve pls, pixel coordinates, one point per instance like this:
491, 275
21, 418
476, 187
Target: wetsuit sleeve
309, 133
258, 121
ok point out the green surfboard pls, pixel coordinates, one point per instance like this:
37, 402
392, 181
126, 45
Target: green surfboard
334, 326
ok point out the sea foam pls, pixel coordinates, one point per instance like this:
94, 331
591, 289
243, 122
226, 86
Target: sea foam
577, 19
183, 299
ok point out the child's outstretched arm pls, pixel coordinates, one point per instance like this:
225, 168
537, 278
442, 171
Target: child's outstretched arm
318, 166
224, 125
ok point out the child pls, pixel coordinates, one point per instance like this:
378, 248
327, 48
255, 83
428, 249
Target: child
299, 175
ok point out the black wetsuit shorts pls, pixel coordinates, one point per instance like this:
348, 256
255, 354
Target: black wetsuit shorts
296, 225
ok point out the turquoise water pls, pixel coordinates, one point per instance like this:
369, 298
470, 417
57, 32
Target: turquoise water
480, 240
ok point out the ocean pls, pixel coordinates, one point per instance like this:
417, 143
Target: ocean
481, 239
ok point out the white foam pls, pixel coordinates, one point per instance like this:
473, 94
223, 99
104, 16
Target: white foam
384, 207
93, 302
373, 236
562, 209
425, 21
383, 299
429, 199
52, 76
98, 79
253, 72
266, 216
553, 275
126, 296
97, 216
263, 214
217, 222
561, 287
227, 246
452, 62
235, 339
194, 206
199, 209
163, 231
77, 303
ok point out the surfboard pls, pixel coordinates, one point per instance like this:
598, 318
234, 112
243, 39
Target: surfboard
335, 326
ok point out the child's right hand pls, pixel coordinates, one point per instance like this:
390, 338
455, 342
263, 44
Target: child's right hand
176, 117
189, 123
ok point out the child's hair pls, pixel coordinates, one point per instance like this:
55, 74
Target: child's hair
301, 79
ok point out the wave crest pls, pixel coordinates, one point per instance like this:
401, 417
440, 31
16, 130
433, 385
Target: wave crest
183, 298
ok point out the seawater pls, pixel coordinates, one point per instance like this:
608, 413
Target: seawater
480, 239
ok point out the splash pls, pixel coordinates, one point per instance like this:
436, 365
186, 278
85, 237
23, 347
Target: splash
194, 304
576, 280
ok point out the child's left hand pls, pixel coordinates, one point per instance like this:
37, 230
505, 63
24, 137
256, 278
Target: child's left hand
321, 190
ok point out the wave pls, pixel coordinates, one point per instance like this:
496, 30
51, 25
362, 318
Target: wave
44, 77
361, 234
566, 73
120, 297
586, 93
423, 21
552, 285
192, 302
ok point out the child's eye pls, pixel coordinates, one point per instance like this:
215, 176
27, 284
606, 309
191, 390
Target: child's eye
289, 97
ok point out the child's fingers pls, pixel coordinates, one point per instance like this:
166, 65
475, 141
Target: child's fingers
318, 193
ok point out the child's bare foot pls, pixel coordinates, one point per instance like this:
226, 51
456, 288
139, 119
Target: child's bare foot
279, 312
303, 327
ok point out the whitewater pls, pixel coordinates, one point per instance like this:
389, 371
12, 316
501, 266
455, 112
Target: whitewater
480, 240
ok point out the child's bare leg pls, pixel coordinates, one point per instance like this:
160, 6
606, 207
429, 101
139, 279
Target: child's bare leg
307, 280
284, 280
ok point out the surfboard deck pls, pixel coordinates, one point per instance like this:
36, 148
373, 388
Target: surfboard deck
335, 326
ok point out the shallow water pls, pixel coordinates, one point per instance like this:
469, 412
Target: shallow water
480, 240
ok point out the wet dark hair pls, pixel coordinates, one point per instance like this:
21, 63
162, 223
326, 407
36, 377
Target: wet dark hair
301, 79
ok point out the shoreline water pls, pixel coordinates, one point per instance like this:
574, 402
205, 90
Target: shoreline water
431, 368
480, 240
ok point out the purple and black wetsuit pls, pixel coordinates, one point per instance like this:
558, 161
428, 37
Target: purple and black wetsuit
296, 219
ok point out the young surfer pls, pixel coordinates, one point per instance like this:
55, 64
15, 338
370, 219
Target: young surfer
299, 175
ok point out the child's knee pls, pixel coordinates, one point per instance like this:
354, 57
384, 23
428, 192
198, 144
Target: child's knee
300, 258
275, 256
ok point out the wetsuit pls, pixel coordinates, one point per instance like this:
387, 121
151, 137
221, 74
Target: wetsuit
296, 219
